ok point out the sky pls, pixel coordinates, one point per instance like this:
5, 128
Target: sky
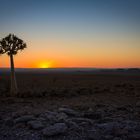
73, 33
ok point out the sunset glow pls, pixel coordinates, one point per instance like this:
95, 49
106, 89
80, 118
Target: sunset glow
45, 65
73, 33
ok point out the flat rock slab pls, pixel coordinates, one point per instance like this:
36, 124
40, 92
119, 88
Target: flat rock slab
58, 128
35, 125
23, 119
68, 111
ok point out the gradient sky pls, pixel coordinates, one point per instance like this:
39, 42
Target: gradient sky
73, 33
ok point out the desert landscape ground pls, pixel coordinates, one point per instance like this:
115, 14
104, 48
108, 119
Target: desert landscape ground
95, 105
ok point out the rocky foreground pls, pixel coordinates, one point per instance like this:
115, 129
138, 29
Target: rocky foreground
101, 122
71, 106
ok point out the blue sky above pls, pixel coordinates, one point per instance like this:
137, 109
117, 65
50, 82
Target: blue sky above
65, 17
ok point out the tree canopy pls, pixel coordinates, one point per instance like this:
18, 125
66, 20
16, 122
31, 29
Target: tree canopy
11, 44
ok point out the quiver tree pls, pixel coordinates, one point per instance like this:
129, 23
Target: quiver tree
10, 45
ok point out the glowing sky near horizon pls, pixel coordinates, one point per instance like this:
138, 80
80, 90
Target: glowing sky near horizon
73, 33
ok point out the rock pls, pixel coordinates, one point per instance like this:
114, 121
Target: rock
132, 126
79, 120
49, 116
61, 116
72, 125
93, 135
137, 127
68, 111
41, 119
58, 128
24, 118
84, 124
109, 128
35, 125
90, 109
105, 120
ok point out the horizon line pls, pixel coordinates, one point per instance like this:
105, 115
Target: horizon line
75, 68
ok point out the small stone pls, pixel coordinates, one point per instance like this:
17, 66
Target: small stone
68, 111
90, 109
109, 128
23, 119
49, 116
84, 124
58, 128
61, 116
35, 125
72, 125
79, 120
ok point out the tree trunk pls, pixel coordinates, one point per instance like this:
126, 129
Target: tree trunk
14, 89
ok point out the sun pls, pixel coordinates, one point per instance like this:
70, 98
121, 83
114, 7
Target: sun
45, 65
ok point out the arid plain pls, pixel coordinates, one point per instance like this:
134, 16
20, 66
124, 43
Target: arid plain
78, 105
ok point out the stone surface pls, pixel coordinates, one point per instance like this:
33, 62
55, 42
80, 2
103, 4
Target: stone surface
58, 128
35, 125
68, 111
109, 128
24, 118
72, 125
49, 116
93, 135
61, 116
79, 120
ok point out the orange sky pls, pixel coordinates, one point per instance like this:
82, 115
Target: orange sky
100, 53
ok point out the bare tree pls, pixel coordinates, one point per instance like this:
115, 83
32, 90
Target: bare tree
10, 45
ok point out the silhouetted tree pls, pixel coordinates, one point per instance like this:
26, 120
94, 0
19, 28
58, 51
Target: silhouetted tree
10, 45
